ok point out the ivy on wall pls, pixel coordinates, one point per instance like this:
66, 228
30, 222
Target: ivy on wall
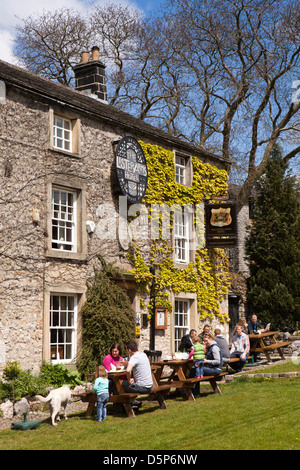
208, 274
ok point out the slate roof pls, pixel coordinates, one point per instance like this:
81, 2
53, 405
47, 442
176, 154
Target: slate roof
54, 92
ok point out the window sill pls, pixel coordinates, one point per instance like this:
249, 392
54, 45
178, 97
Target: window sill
66, 255
65, 152
181, 264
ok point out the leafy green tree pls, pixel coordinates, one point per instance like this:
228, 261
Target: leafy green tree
273, 248
107, 317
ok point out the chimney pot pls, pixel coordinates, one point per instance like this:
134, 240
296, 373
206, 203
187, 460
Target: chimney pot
95, 53
85, 57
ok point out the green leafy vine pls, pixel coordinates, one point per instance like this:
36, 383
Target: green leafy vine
208, 274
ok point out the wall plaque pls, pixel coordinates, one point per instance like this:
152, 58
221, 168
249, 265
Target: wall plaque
160, 318
131, 168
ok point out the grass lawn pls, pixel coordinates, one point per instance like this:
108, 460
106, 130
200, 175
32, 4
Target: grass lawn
287, 366
260, 414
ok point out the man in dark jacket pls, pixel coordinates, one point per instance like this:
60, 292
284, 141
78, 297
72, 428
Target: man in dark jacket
187, 341
255, 327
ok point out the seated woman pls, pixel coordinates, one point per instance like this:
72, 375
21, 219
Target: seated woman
213, 361
114, 356
240, 347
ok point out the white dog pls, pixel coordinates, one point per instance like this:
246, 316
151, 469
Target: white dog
56, 399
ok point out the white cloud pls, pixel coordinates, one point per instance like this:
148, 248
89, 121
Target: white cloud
6, 44
12, 11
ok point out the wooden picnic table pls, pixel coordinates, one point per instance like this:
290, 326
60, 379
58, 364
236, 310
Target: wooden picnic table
158, 393
232, 360
258, 344
179, 377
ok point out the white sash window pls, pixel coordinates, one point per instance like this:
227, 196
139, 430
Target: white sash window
181, 231
62, 133
182, 320
63, 320
63, 220
180, 170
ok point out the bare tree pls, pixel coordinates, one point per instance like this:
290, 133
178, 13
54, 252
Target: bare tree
152, 87
50, 44
241, 57
117, 30
138, 75
218, 74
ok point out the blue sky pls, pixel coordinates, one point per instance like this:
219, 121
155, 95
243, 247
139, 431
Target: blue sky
148, 5
11, 10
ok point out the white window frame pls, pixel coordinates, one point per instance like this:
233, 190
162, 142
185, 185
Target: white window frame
64, 217
180, 170
181, 320
63, 328
62, 133
181, 236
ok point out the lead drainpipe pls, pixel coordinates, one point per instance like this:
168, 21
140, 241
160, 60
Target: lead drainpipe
152, 298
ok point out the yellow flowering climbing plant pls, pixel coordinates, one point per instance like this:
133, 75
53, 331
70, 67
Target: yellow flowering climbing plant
208, 274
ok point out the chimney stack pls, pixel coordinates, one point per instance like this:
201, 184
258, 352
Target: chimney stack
90, 75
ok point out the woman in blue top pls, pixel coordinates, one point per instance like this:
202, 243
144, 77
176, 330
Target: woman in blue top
101, 390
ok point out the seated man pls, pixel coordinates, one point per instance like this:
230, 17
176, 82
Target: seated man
255, 327
221, 341
240, 347
138, 373
186, 342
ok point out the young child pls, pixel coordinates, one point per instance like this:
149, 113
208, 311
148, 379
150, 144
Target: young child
101, 390
198, 354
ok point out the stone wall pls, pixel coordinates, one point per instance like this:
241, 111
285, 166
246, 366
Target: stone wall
29, 270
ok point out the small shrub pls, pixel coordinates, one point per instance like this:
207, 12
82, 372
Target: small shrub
11, 371
25, 385
58, 375
19, 383
107, 317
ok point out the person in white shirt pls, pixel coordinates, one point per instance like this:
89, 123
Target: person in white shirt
240, 347
138, 372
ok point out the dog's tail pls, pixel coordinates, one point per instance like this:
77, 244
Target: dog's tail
42, 399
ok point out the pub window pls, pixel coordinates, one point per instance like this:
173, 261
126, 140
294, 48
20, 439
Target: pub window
63, 220
181, 231
181, 320
62, 133
63, 320
180, 170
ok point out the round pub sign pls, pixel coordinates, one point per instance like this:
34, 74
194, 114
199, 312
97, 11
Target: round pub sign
131, 168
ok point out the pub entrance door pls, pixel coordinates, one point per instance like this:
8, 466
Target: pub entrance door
233, 307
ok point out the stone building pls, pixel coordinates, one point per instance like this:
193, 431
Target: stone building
58, 180
237, 302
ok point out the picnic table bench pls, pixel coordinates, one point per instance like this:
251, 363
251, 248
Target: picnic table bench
125, 398
179, 379
233, 360
157, 393
258, 344
190, 383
